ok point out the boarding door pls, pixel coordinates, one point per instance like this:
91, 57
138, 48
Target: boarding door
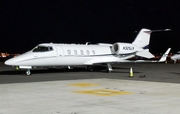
60, 51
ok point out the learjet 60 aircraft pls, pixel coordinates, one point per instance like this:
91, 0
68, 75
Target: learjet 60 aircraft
54, 54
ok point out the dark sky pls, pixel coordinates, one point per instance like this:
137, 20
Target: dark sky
25, 24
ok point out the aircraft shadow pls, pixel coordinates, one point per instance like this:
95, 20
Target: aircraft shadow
13, 72
39, 71
64, 70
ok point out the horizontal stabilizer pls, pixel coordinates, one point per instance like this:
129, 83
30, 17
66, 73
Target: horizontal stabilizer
145, 54
163, 58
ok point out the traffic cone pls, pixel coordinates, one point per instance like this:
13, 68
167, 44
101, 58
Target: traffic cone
165, 62
131, 73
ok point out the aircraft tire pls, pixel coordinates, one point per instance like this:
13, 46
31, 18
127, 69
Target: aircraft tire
91, 69
108, 71
28, 72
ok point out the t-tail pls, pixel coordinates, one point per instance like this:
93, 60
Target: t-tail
142, 41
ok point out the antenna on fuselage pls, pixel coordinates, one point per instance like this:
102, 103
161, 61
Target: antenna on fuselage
87, 43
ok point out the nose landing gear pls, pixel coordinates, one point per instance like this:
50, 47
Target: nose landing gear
28, 72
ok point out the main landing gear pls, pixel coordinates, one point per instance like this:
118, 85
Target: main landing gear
109, 68
90, 68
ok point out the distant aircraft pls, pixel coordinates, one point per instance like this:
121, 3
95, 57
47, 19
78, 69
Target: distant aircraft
54, 54
176, 57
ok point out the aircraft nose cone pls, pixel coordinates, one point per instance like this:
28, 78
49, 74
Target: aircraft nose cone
9, 62
173, 58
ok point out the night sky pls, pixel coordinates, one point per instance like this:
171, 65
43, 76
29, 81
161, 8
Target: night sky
25, 24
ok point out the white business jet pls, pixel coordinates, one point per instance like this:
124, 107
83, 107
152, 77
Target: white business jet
54, 54
176, 57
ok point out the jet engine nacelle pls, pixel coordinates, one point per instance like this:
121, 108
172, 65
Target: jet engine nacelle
124, 48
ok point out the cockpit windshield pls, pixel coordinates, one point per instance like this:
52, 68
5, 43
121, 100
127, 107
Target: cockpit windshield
42, 49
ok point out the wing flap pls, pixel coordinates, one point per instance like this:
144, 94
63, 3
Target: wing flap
106, 60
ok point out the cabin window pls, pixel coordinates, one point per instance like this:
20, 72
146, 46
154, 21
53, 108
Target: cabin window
69, 52
87, 51
81, 52
42, 48
93, 52
75, 52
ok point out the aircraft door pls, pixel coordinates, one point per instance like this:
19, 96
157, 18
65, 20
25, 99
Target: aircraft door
60, 51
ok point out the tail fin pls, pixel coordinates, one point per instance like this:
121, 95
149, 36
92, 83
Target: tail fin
164, 57
142, 39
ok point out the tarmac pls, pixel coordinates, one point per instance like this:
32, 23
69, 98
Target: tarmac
153, 89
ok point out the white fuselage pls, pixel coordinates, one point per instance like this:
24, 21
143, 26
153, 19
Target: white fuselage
176, 57
49, 54
68, 55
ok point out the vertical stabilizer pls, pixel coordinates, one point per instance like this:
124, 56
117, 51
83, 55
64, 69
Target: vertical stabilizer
143, 38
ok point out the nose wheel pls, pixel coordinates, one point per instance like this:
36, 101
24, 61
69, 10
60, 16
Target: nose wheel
28, 72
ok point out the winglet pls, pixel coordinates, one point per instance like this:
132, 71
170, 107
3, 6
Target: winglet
164, 57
